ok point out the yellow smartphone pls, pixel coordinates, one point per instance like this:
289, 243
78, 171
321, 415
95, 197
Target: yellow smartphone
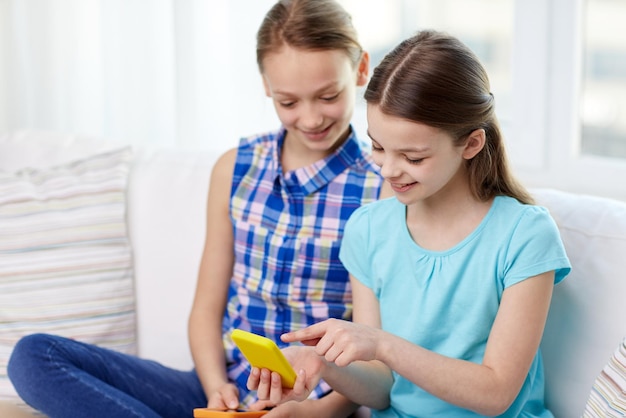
226, 413
263, 353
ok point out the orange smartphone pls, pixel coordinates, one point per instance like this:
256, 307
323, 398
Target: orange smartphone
226, 413
263, 353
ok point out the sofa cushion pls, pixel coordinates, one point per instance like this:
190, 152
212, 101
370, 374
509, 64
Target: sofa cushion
44, 149
587, 310
65, 258
608, 396
167, 216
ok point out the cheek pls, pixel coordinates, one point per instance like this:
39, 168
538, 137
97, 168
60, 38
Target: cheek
442, 174
285, 116
342, 109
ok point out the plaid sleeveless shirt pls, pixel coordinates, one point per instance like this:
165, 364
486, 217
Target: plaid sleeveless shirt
287, 231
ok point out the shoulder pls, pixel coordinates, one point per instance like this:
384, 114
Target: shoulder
525, 223
258, 150
244, 153
388, 206
512, 209
379, 212
266, 140
367, 233
224, 166
510, 219
533, 243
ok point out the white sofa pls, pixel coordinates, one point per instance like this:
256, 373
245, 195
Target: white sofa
166, 199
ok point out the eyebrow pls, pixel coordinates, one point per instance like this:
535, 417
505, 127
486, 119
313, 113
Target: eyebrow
323, 89
404, 150
416, 149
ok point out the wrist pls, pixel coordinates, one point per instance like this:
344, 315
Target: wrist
332, 405
215, 383
385, 347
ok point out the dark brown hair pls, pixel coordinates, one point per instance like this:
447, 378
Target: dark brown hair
434, 79
308, 25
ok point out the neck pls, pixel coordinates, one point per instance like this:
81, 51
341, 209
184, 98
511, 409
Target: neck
295, 155
442, 221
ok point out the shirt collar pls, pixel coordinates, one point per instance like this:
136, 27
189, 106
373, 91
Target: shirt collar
313, 177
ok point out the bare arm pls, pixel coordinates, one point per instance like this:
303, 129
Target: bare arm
205, 320
343, 343
488, 388
358, 384
332, 405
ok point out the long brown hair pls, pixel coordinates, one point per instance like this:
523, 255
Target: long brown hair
434, 79
308, 25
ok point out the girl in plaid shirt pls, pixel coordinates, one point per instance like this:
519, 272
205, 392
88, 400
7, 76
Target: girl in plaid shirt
278, 204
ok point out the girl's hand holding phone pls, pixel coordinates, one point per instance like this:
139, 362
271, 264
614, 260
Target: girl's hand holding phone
272, 374
268, 384
224, 397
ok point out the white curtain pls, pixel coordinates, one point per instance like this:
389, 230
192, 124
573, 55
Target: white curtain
176, 73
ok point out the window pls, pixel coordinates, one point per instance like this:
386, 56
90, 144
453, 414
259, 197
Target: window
557, 70
603, 95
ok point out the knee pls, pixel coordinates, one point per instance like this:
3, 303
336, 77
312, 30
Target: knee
27, 357
29, 347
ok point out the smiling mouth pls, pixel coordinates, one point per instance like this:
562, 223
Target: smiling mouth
317, 134
401, 187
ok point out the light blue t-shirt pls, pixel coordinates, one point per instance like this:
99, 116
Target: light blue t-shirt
446, 301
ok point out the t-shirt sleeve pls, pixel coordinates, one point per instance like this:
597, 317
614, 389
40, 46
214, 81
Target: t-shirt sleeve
535, 248
354, 251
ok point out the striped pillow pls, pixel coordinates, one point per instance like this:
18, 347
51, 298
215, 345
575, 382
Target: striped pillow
608, 396
65, 258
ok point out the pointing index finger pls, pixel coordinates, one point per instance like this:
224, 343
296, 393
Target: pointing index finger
308, 336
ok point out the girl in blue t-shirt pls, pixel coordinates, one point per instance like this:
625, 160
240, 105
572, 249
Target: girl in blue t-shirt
452, 278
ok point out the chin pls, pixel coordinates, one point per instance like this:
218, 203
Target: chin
406, 198
323, 146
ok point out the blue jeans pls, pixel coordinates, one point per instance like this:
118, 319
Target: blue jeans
66, 378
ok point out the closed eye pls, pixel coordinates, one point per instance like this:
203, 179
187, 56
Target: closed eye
330, 98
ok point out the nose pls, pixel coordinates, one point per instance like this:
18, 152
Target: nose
388, 167
311, 117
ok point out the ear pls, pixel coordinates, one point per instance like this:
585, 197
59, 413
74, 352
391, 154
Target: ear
266, 86
363, 69
474, 144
